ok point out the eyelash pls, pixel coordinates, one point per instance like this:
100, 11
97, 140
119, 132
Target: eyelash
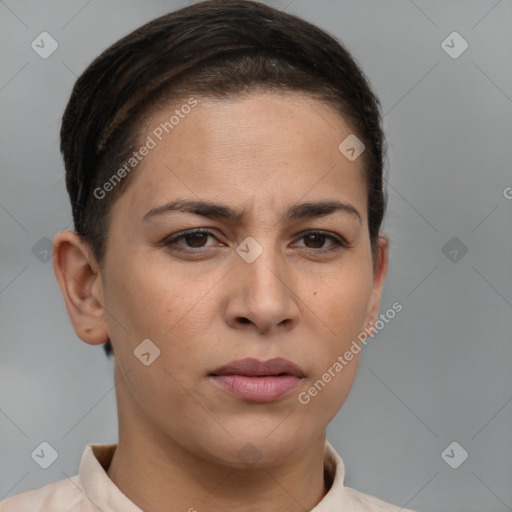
339, 243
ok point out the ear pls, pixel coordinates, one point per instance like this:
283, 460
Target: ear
379, 276
80, 282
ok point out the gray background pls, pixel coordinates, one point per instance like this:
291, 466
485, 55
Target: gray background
439, 372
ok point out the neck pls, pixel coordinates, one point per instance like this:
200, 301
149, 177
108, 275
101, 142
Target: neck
154, 471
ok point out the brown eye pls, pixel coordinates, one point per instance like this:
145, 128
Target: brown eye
196, 239
316, 239
192, 240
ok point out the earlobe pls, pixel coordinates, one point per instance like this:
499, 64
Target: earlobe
80, 282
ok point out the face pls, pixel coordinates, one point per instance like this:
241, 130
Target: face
263, 278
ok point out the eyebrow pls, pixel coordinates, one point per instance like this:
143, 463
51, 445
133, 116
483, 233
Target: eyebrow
223, 212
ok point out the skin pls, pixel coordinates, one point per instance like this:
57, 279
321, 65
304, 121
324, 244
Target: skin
179, 434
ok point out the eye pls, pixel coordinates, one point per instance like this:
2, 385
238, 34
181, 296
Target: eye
196, 239
318, 238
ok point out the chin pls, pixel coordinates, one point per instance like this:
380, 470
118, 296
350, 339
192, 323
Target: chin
260, 449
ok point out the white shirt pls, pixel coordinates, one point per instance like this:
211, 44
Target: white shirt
92, 490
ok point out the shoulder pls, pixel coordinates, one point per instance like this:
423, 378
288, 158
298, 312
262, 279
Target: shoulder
341, 497
57, 496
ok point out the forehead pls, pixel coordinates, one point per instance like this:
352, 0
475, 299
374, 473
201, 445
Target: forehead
262, 149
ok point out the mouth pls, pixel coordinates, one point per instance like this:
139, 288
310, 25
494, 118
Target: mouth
258, 381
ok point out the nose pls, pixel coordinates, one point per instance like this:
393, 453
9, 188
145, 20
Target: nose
262, 297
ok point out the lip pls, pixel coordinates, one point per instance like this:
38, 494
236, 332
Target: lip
258, 381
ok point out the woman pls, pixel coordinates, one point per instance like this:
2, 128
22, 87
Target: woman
224, 166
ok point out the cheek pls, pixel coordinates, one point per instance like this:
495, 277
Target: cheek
168, 306
152, 304
341, 305
148, 298
336, 358
344, 301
